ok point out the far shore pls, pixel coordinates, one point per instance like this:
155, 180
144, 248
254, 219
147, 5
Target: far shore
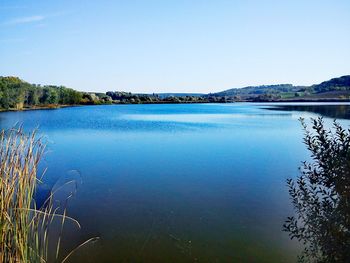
57, 106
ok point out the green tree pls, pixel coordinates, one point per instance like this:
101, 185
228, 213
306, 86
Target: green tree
69, 96
33, 95
50, 96
321, 196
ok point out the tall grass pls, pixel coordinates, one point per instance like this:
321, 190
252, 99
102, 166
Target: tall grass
25, 228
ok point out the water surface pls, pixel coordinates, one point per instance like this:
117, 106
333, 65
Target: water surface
177, 183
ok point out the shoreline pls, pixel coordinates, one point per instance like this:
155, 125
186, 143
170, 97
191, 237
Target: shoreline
55, 107
49, 107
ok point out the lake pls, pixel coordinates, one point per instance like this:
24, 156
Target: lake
178, 182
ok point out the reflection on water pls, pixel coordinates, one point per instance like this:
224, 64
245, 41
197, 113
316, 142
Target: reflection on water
328, 110
175, 183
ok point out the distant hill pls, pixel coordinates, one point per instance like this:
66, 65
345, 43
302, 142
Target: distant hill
334, 89
336, 84
257, 90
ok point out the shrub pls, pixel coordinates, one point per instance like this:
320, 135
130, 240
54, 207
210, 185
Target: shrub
321, 195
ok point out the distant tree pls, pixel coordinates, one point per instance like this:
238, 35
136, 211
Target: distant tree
68, 96
50, 96
12, 91
321, 196
15, 93
4, 98
33, 95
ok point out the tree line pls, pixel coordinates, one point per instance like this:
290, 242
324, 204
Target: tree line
17, 94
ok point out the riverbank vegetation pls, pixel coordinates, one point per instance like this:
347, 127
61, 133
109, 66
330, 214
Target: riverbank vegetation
16, 94
26, 234
321, 196
23, 227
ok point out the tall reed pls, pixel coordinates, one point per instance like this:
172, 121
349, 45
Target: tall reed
24, 228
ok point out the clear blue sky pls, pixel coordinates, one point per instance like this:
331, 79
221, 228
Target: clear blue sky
174, 45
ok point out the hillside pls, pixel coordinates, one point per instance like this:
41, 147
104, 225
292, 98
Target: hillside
258, 90
335, 84
334, 89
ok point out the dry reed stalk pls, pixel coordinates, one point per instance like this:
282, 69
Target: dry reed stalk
24, 228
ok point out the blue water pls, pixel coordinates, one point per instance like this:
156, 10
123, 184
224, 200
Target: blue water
175, 183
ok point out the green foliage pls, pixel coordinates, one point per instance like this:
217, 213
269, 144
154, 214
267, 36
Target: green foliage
267, 97
16, 94
12, 92
127, 97
33, 96
259, 90
50, 96
69, 96
335, 84
321, 196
